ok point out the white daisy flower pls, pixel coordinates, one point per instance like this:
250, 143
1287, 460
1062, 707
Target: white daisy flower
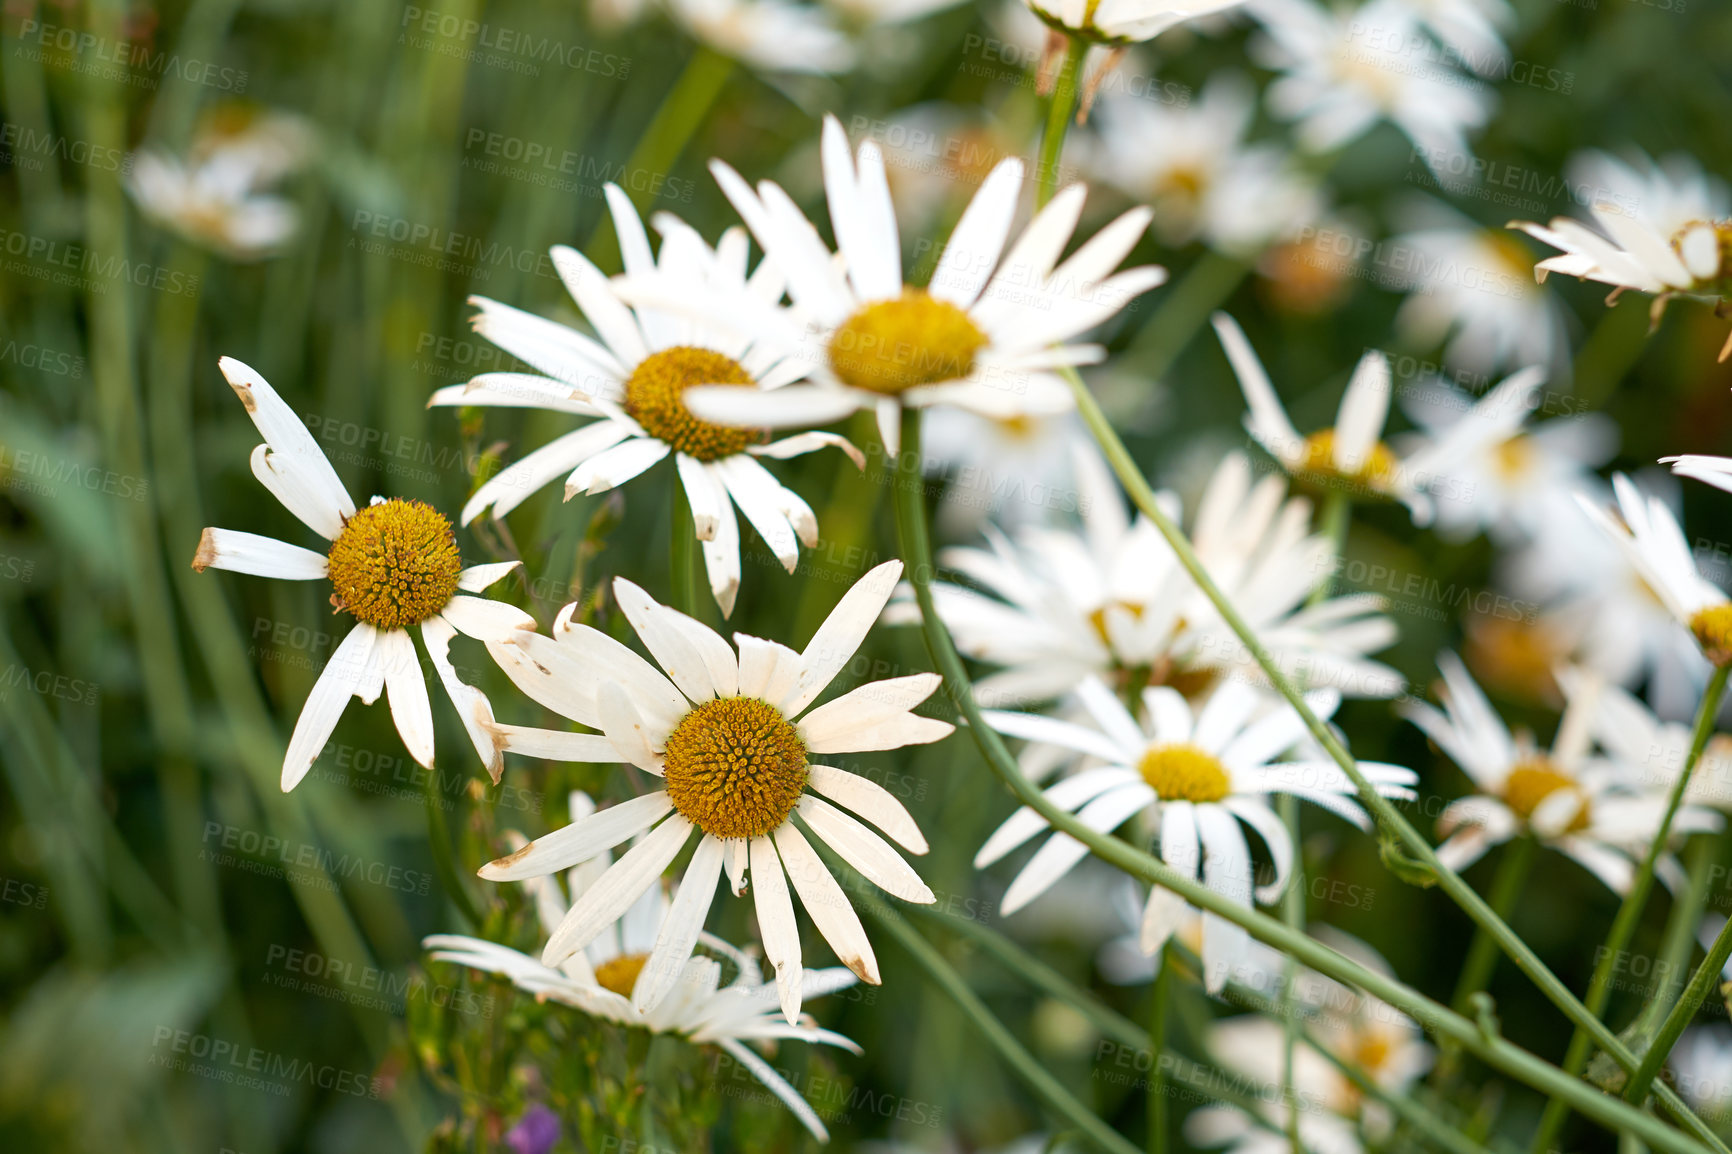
1494, 472
1193, 779
599, 980
1112, 599
1122, 962
731, 736
1351, 456
633, 380
1471, 285
1715, 471
1649, 537
1108, 27
985, 335
392, 565
1663, 230
1581, 805
769, 35
1471, 29
1653, 751
216, 196
1015, 471
1191, 162
1347, 68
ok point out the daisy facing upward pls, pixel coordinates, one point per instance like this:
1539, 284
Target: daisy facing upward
987, 333
633, 381
731, 734
392, 565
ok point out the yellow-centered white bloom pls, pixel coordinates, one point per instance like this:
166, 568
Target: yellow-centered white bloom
1191, 779
393, 565
599, 979
769, 35
986, 334
1588, 807
731, 734
1649, 536
633, 380
216, 195
1663, 230
1111, 600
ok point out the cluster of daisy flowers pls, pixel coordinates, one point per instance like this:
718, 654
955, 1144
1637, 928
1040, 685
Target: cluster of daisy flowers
1134, 701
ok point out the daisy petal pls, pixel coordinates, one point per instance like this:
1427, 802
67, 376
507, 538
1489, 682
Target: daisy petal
871, 801
338, 681
602, 904
587, 837
864, 850
776, 924
680, 929
260, 556
406, 691
840, 636
826, 904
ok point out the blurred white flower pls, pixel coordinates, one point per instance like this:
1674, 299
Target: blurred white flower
1192, 778
634, 380
1192, 164
1471, 29
393, 565
217, 195
1111, 599
1492, 473
1599, 813
1702, 1064
600, 979
1664, 229
772, 35
1472, 285
1653, 752
1016, 471
1347, 68
1121, 22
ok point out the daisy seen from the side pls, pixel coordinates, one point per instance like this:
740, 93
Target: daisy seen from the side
1191, 777
393, 565
632, 381
731, 733
986, 334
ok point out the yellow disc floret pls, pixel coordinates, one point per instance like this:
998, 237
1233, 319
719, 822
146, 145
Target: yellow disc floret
916, 339
654, 397
1184, 773
1713, 629
735, 767
1534, 780
620, 974
395, 564
1376, 472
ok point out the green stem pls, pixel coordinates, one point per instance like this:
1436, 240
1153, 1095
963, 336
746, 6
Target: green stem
1630, 913
1695, 994
1680, 936
1058, 118
1023, 1064
1482, 953
682, 111
1159, 997
1387, 816
444, 862
1293, 913
1334, 517
683, 554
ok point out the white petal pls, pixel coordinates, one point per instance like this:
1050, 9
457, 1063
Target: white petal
777, 1085
829, 728
635, 739
338, 681
826, 904
978, 239
768, 669
595, 296
1267, 420
614, 466
588, 837
1053, 731
485, 619
479, 577
761, 506
701, 495
1073, 791
800, 444
406, 691
292, 447
260, 556
602, 904
871, 801
556, 745
1055, 858
1164, 914
472, 705
864, 850
299, 496
680, 929
795, 405
525, 477
695, 656
839, 638
776, 924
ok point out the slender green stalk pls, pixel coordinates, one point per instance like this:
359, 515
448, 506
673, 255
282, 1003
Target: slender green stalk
1023, 1064
1387, 816
1058, 118
1160, 997
682, 554
1680, 936
1630, 912
444, 861
1293, 913
1695, 994
1441, 1021
1482, 953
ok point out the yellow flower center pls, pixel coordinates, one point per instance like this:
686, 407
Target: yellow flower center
620, 974
395, 564
1531, 782
1371, 1049
654, 397
1713, 629
1376, 471
735, 767
1184, 773
894, 345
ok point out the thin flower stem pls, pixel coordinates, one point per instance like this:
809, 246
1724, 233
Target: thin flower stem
1388, 817
1293, 913
682, 555
1482, 954
1160, 998
1440, 1020
1680, 936
1630, 912
444, 862
1023, 1064
1058, 118
1695, 994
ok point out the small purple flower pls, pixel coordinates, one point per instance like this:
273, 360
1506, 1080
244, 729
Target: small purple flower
535, 1132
